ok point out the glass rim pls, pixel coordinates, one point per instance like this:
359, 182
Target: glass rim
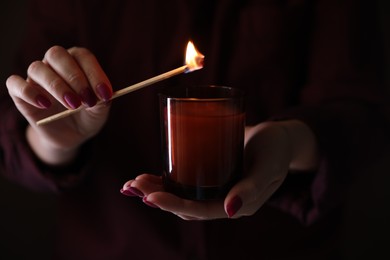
179, 93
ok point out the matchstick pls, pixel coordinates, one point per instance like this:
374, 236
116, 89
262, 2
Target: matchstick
194, 61
118, 93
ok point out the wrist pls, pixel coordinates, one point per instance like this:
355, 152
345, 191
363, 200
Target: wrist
47, 152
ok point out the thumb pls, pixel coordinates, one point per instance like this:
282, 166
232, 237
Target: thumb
247, 197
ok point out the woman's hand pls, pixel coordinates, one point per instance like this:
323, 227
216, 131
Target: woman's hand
271, 149
64, 79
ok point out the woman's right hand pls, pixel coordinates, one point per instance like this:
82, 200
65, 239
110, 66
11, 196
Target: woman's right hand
64, 78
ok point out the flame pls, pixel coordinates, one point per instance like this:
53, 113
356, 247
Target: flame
194, 59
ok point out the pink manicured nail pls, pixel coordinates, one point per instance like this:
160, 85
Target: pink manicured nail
72, 100
88, 97
150, 204
128, 193
43, 101
233, 206
135, 191
104, 91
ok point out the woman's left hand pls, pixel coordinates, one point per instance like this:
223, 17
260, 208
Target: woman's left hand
269, 153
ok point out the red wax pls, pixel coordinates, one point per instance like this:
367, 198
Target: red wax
204, 142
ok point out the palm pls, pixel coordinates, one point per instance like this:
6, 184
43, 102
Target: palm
74, 129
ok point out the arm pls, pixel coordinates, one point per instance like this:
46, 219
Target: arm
304, 158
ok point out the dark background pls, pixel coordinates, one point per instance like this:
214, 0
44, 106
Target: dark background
27, 218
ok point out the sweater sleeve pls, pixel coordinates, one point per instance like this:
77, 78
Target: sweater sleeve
20, 165
344, 104
44, 28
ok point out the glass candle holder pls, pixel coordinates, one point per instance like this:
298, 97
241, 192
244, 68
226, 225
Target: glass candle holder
202, 140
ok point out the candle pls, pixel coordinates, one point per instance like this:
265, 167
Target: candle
203, 140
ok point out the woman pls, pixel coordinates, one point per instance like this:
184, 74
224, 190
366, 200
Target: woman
314, 113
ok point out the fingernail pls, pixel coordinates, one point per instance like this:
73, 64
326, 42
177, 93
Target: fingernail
104, 91
43, 101
128, 193
233, 206
135, 191
88, 97
150, 204
72, 100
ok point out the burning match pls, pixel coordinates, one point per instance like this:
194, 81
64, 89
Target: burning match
194, 61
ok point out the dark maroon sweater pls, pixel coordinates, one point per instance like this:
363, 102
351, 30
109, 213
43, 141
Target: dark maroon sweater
318, 61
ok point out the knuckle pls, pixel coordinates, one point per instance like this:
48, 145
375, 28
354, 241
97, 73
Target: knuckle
80, 52
54, 52
23, 90
55, 84
75, 78
34, 67
17, 87
10, 80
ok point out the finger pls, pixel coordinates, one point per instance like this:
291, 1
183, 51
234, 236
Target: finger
22, 91
93, 71
67, 67
128, 190
248, 195
145, 187
46, 77
262, 178
188, 218
127, 184
150, 177
201, 210
267, 157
